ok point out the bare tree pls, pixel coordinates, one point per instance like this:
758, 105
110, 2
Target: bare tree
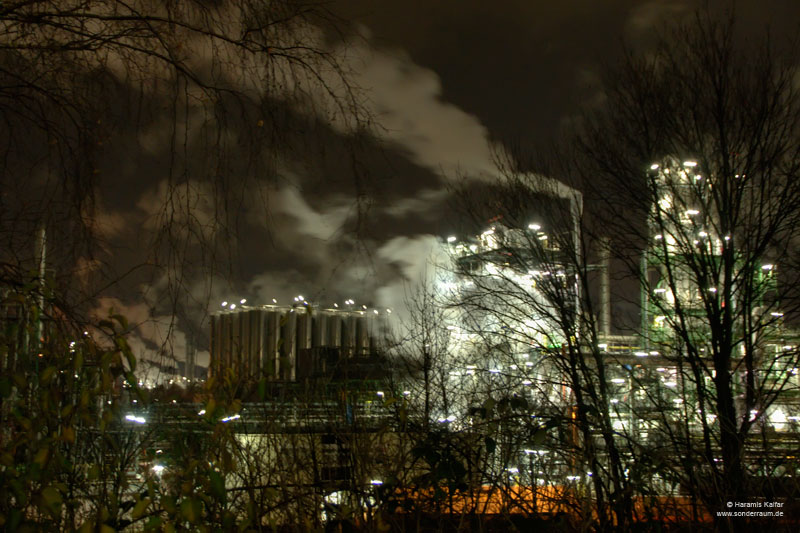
215, 89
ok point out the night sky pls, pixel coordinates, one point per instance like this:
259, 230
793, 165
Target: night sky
340, 215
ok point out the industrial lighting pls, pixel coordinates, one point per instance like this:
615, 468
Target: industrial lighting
233, 306
336, 305
660, 291
274, 301
691, 212
617, 380
659, 237
376, 482
767, 267
654, 166
243, 301
712, 289
224, 304
380, 393
640, 354
158, 469
451, 238
229, 418
776, 314
137, 419
202, 412
690, 163
534, 227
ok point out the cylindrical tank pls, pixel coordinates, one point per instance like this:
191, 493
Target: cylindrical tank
304, 327
335, 330
362, 335
288, 345
348, 336
319, 334
270, 358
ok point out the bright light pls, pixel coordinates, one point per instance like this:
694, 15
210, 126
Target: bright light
229, 418
224, 304
776, 314
659, 237
654, 166
573, 478
527, 382
451, 238
691, 212
406, 392
137, 419
534, 227
158, 469
375, 482
703, 234
660, 291
233, 306
690, 163
274, 301
640, 354
243, 301
380, 393
202, 412
712, 289
617, 380
767, 267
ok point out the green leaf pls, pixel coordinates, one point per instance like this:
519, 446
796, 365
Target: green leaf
47, 375
41, 456
491, 445
190, 509
153, 523
140, 508
51, 500
217, 485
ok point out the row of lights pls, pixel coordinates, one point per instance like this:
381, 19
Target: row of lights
533, 226
300, 298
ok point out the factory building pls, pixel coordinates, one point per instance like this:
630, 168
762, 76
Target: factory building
289, 343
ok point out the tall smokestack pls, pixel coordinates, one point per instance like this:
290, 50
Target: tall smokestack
605, 287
